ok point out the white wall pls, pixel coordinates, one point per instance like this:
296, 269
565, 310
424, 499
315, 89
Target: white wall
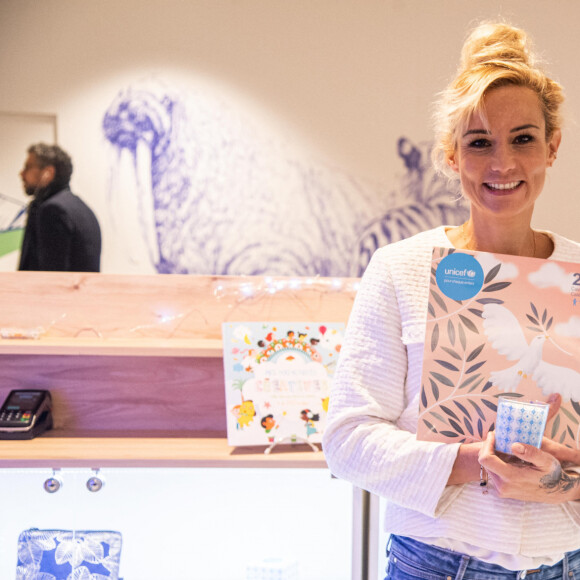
345, 79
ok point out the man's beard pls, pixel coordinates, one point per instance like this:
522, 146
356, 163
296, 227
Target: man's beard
32, 190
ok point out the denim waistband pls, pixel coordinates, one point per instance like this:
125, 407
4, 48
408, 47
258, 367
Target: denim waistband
441, 563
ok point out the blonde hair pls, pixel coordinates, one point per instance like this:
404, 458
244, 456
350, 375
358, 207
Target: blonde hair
494, 55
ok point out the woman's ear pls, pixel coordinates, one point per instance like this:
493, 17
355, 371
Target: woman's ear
553, 146
450, 160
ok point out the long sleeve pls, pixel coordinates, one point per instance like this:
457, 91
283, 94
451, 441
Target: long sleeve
369, 439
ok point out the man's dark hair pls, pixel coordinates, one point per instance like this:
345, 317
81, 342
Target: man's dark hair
47, 155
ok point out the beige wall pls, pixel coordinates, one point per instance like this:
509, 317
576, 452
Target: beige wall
346, 78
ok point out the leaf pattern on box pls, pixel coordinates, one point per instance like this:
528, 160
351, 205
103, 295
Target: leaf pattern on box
74, 555
461, 369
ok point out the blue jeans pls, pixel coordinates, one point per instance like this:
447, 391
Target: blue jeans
413, 560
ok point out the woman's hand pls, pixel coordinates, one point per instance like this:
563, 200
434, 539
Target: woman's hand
541, 479
563, 454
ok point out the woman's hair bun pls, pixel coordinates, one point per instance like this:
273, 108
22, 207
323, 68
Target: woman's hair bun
494, 43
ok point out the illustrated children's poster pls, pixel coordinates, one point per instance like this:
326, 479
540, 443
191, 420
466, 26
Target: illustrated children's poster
278, 377
499, 324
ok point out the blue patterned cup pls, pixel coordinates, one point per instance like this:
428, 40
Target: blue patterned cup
519, 421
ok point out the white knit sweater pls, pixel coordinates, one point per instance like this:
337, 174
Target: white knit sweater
370, 434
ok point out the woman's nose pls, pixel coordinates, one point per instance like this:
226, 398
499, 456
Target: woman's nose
503, 159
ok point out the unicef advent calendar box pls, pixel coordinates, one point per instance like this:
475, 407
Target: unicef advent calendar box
499, 324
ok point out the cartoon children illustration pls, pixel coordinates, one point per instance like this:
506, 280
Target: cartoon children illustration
269, 424
309, 417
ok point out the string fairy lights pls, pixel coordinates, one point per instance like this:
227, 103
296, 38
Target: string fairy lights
260, 287
232, 291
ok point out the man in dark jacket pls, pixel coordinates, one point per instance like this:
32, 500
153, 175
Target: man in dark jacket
62, 232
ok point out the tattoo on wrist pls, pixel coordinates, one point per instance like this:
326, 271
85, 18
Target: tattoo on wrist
559, 480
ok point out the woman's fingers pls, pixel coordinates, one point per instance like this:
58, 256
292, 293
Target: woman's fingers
541, 460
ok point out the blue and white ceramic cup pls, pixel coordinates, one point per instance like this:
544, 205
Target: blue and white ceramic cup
519, 421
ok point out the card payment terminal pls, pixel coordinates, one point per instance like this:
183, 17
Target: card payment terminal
25, 414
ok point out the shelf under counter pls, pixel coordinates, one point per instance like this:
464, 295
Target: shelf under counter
94, 453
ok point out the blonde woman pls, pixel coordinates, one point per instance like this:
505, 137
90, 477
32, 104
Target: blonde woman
498, 130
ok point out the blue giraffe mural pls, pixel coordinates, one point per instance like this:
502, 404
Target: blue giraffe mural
424, 200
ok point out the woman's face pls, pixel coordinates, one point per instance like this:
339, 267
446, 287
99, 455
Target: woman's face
502, 167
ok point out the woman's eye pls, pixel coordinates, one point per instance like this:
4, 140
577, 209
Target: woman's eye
523, 139
479, 143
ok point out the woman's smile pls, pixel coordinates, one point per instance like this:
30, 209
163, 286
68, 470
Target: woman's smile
503, 187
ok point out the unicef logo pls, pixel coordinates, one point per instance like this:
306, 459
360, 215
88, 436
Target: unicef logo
459, 276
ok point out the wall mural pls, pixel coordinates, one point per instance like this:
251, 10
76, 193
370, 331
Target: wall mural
422, 200
211, 192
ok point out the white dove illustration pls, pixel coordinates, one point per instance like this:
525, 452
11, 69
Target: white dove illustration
507, 337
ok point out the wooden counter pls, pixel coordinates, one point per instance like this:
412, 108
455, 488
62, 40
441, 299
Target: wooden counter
134, 363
